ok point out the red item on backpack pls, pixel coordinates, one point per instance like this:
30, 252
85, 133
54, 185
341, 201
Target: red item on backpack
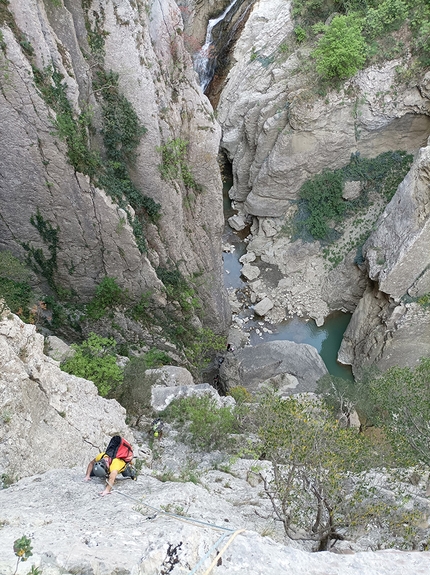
120, 448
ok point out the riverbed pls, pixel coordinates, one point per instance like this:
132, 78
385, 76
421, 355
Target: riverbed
326, 339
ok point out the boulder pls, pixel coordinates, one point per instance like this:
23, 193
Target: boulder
237, 222
161, 397
251, 366
170, 376
351, 190
58, 349
250, 272
263, 306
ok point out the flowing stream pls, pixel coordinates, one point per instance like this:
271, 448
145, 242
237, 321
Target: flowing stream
205, 61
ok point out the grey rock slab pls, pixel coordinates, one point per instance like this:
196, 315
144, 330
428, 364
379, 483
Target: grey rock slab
74, 530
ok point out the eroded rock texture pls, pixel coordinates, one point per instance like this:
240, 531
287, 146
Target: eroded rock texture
144, 46
48, 418
278, 132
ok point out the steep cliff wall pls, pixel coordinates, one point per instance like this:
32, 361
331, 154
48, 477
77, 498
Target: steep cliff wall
391, 323
64, 53
279, 130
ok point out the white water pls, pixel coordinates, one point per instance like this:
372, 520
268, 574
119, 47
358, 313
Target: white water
204, 62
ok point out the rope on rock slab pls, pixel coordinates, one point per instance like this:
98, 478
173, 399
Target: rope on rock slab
232, 533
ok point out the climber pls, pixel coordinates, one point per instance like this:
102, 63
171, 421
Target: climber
157, 428
107, 464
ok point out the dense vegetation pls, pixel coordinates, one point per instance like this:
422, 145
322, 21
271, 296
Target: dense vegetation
349, 34
321, 205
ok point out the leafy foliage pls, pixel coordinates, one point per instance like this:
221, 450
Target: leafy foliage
341, 52
321, 488
95, 360
205, 425
71, 128
321, 201
323, 195
401, 402
36, 257
388, 16
23, 550
108, 295
14, 285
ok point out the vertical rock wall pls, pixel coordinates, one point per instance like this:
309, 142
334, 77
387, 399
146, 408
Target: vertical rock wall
143, 43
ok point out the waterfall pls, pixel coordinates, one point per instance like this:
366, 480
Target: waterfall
205, 61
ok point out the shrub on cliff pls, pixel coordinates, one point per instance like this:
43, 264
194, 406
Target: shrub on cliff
341, 52
95, 360
327, 481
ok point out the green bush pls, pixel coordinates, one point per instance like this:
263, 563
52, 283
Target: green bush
341, 52
95, 360
240, 394
174, 164
206, 426
388, 16
14, 286
323, 196
321, 199
108, 295
300, 34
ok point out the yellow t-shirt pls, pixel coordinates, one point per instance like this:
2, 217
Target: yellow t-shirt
115, 465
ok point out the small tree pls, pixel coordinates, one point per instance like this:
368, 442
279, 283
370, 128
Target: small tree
401, 400
341, 52
322, 486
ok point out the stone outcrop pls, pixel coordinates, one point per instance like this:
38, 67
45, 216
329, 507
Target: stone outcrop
48, 418
148, 527
95, 236
397, 252
385, 328
162, 396
288, 366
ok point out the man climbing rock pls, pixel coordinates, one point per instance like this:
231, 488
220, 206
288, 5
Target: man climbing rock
107, 464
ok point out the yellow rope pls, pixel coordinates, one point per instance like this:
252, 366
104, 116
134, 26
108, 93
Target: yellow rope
215, 561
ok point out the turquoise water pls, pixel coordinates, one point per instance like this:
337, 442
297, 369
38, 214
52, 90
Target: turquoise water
326, 339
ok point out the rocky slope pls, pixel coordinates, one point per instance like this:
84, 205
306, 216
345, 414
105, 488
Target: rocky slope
48, 418
41, 194
184, 504
278, 132
73, 530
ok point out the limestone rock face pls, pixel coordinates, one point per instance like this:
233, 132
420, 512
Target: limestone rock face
398, 251
95, 237
73, 530
48, 418
278, 133
383, 329
253, 367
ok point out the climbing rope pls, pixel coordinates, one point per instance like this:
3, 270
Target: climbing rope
232, 533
